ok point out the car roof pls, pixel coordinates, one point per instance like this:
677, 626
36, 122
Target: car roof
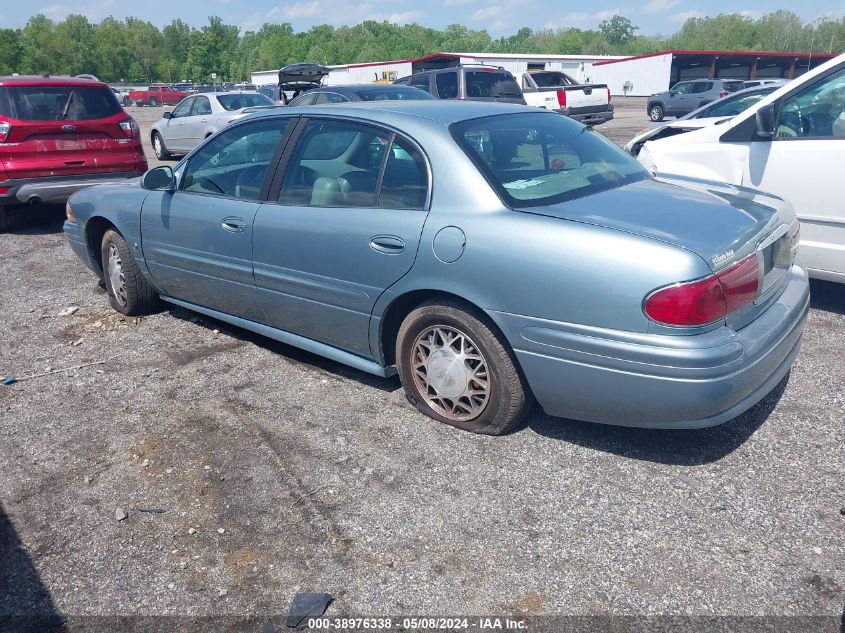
354, 88
439, 111
223, 94
48, 80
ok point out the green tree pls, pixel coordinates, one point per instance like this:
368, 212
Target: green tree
10, 51
38, 47
617, 30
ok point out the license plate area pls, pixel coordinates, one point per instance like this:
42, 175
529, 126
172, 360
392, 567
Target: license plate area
775, 255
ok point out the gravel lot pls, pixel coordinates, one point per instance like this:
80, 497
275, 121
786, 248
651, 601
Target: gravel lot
282, 472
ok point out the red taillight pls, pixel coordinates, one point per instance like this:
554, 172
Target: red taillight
723, 94
706, 300
4, 190
608, 95
561, 98
130, 128
5, 128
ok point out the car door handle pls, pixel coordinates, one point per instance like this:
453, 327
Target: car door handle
234, 225
388, 244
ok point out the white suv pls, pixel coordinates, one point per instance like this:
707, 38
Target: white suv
792, 144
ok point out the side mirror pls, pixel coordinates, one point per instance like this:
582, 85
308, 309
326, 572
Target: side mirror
765, 119
167, 115
671, 93
159, 179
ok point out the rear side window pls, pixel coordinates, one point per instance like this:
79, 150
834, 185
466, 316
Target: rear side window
58, 103
447, 85
700, 86
236, 102
330, 97
420, 82
733, 86
491, 84
394, 93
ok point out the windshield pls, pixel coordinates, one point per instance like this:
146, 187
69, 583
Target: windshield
731, 106
551, 80
58, 103
394, 94
538, 159
243, 100
486, 83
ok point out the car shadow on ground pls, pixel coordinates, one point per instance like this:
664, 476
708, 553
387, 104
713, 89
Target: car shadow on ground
828, 296
293, 354
25, 603
39, 220
672, 447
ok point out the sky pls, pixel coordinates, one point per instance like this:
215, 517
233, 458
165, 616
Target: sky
499, 17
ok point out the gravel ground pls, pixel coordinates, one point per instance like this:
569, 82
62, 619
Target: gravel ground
281, 472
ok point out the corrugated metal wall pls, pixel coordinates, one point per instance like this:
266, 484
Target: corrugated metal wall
367, 74
635, 77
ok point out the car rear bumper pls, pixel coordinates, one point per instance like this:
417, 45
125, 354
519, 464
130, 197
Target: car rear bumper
55, 189
659, 381
588, 117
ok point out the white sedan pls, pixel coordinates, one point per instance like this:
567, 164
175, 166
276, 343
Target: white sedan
199, 116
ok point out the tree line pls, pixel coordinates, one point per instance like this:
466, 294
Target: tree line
137, 51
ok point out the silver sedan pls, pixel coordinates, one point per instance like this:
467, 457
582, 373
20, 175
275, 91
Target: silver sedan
199, 116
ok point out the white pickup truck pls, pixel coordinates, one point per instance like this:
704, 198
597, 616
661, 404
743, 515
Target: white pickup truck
553, 90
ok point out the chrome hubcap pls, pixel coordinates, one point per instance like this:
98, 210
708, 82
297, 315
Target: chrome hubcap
451, 373
116, 279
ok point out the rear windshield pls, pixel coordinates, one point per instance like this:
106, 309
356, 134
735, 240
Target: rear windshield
243, 100
550, 80
733, 86
484, 83
57, 103
539, 159
394, 94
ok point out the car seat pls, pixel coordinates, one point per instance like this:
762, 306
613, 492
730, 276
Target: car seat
329, 192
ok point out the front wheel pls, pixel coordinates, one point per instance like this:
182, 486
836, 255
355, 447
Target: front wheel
159, 148
154, 102
129, 293
456, 369
655, 113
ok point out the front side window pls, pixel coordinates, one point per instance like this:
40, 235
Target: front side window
682, 88
234, 163
183, 109
58, 103
420, 82
537, 159
491, 84
447, 85
733, 106
304, 100
817, 111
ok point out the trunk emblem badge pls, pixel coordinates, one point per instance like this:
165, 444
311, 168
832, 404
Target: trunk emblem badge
68, 128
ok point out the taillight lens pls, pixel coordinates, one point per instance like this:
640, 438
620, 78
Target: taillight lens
130, 128
561, 98
608, 95
706, 300
5, 129
723, 94
794, 234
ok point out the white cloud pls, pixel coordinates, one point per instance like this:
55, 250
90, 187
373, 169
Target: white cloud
683, 16
751, 13
55, 11
659, 6
582, 17
302, 9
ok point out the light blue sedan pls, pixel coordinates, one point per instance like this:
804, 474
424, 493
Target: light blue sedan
490, 254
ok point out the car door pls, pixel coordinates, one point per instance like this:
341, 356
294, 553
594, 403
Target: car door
335, 240
803, 163
677, 101
699, 95
174, 131
197, 121
197, 240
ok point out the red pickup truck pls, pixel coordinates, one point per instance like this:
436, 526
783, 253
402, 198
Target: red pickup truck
155, 95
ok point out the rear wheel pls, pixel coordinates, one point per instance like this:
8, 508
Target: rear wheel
456, 369
655, 112
126, 101
159, 148
129, 293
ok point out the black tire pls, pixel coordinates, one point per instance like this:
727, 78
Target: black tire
508, 398
159, 148
126, 102
138, 297
655, 112
4, 219
154, 102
